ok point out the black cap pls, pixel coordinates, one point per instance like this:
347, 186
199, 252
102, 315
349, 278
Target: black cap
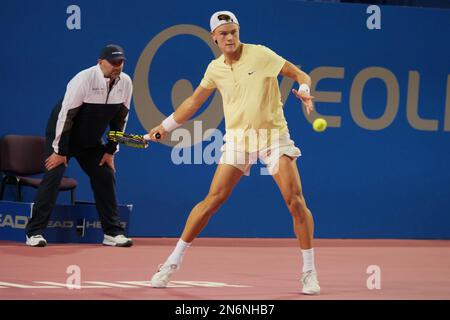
112, 52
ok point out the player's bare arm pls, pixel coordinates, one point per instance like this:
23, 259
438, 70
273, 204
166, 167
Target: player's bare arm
291, 71
184, 112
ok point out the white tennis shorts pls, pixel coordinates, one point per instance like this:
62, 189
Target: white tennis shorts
269, 156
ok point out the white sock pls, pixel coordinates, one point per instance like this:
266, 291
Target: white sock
177, 254
308, 260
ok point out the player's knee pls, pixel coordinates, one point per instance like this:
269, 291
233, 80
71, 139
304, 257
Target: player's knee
215, 200
297, 203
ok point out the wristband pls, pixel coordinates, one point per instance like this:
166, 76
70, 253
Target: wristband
304, 88
170, 124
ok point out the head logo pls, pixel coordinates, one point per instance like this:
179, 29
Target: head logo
13, 221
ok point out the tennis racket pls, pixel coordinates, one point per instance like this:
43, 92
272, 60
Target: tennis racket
128, 139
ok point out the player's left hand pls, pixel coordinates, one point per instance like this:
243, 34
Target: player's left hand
109, 160
306, 99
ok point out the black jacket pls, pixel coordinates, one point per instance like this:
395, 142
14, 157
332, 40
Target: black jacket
88, 108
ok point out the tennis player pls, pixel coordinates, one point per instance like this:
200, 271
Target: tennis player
246, 76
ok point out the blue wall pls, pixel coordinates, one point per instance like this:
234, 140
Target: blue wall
392, 182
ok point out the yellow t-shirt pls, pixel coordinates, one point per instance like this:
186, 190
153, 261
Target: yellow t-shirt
250, 92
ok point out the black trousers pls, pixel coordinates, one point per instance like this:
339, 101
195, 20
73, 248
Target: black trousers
103, 184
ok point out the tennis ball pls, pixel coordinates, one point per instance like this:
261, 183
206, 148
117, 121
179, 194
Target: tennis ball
320, 124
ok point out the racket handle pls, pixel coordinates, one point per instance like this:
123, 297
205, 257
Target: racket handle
157, 136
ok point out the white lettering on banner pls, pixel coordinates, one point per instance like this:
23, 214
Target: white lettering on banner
60, 224
13, 221
20, 222
73, 22
96, 224
93, 224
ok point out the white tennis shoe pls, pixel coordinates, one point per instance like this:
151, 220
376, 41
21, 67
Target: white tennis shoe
310, 283
36, 241
117, 241
161, 278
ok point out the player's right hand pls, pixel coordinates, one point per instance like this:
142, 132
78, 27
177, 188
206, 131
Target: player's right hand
306, 99
54, 161
159, 129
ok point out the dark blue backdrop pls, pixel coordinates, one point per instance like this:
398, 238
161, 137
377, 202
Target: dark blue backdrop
393, 182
